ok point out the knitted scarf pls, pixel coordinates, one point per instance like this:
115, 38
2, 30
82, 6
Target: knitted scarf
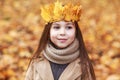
62, 56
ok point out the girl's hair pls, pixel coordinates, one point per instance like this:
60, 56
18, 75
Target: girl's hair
87, 68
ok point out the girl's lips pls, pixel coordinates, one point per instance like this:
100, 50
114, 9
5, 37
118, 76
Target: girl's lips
62, 40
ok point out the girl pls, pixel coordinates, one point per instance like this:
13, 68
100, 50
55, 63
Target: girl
61, 53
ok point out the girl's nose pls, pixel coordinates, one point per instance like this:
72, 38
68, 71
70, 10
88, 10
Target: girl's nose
62, 32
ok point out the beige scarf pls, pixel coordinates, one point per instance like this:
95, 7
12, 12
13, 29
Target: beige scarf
62, 56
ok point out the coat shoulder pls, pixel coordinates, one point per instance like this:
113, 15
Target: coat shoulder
37, 60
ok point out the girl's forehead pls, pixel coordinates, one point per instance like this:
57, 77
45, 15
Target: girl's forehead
63, 22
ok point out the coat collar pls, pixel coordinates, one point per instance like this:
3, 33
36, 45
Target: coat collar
71, 72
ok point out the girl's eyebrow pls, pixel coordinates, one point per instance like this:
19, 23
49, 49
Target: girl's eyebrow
69, 23
55, 24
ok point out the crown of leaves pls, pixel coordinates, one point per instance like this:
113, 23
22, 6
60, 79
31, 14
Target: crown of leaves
58, 11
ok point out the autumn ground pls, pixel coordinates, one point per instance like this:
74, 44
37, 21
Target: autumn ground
21, 26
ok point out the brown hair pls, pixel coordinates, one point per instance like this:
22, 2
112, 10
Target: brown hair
87, 68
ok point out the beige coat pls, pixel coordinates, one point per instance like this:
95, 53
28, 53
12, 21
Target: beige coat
41, 70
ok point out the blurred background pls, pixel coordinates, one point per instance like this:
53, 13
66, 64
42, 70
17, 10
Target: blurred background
21, 26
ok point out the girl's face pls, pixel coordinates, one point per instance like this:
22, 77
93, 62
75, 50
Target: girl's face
62, 33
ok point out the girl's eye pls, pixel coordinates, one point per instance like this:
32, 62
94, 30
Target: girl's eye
69, 27
56, 27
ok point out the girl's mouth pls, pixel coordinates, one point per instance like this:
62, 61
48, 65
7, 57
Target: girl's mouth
62, 40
